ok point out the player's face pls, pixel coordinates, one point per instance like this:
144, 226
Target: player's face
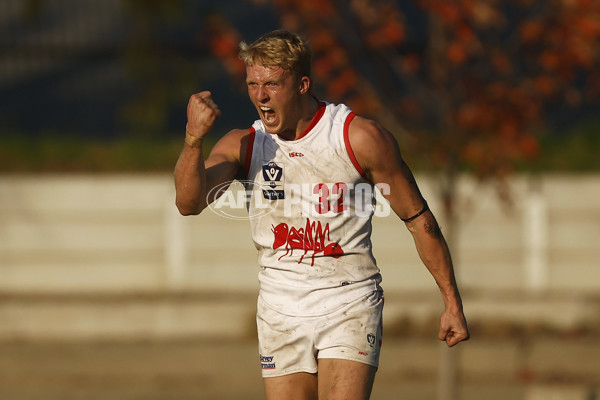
275, 93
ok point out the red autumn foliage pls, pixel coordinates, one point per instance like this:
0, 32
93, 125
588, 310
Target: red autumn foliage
456, 53
223, 40
475, 92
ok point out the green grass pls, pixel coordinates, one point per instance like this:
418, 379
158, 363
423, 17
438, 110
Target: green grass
575, 151
58, 154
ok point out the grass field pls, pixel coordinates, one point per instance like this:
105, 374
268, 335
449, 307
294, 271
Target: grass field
528, 368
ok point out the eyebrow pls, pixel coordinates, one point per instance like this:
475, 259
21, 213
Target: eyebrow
249, 81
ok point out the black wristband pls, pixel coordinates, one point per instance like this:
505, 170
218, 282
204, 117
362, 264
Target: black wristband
424, 210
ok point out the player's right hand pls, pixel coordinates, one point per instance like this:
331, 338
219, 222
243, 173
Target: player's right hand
202, 112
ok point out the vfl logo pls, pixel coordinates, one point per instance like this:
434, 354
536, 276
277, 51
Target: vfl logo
309, 238
273, 177
371, 339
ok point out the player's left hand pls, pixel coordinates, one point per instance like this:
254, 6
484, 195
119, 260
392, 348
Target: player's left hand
453, 328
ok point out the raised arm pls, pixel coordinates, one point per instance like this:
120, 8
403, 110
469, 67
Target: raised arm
378, 154
196, 177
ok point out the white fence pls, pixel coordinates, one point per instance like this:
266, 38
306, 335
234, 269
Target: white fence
116, 233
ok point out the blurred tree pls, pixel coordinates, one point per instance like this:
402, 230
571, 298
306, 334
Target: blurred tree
474, 90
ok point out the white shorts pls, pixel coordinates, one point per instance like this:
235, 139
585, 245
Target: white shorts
289, 344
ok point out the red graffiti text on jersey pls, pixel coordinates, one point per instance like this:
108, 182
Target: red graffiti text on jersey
309, 238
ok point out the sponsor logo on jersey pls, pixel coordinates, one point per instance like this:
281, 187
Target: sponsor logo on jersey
272, 173
309, 238
296, 154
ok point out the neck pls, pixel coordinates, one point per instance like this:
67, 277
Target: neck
306, 111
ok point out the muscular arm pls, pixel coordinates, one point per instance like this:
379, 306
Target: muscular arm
378, 154
196, 177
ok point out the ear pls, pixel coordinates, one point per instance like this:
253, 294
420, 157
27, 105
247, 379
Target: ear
304, 84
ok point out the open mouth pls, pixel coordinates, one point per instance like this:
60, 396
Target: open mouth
268, 114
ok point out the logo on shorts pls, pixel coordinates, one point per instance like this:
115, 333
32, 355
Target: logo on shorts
371, 339
266, 362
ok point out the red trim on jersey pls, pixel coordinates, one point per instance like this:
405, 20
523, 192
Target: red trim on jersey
315, 120
349, 119
249, 148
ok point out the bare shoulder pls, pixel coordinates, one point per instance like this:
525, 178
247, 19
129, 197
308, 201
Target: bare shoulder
232, 146
378, 153
235, 138
372, 144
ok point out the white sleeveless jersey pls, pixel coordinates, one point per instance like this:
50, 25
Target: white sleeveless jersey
310, 214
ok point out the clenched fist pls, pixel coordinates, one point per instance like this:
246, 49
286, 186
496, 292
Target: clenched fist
202, 112
453, 328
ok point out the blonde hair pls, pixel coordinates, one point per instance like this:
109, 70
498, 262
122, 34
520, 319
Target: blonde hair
279, 48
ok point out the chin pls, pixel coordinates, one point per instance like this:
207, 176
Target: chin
273, 130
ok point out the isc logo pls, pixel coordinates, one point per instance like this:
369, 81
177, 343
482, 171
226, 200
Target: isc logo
295, 154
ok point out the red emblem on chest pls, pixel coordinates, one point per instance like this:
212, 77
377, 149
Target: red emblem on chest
309, 238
